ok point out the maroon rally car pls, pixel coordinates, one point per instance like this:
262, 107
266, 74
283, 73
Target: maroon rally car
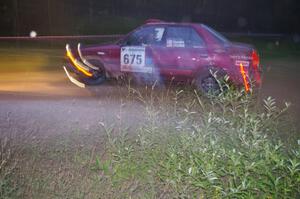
177, 51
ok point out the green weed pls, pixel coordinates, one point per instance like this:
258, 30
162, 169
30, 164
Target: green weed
218, 147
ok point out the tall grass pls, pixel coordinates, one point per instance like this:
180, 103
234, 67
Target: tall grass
205, 147
9, 162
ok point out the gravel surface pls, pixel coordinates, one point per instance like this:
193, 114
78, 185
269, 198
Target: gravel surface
47, 103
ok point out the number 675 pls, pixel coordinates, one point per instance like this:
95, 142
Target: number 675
132, 59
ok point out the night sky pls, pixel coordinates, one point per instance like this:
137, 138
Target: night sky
58, 17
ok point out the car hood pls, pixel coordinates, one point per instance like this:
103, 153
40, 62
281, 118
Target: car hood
94, 49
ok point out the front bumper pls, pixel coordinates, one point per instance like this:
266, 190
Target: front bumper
72, 79
77, 64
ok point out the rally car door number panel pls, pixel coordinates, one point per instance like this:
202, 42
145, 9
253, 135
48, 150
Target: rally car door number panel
133, 59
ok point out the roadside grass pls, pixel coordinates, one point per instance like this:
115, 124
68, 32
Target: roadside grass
221, 147
12, 146
7, 167
189, 146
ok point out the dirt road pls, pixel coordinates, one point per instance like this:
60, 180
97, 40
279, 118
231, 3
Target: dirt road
47, 103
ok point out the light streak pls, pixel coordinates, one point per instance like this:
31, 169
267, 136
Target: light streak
77, 64
73, 80
246, 82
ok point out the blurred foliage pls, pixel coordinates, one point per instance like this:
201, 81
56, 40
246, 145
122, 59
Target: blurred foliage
61, 16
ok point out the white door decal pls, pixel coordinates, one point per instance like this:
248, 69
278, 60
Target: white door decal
133, 59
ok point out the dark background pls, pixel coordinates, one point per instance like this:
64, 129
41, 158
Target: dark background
59, 17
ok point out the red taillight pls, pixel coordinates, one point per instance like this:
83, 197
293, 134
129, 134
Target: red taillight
255, 63
255, 60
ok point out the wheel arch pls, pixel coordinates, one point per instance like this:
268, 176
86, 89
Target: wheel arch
208, 70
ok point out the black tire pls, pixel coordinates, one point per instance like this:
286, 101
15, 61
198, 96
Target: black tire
207, 82
98, 78
94, 80
208, 85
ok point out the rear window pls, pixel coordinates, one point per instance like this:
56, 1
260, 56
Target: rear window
183, 37
216, 34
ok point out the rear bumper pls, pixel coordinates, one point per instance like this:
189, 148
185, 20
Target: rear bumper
243, 77
250, 79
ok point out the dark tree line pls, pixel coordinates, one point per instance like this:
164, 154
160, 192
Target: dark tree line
18, 17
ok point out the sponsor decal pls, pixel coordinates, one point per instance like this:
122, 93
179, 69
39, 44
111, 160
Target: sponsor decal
240, 57
244, 63
176, 43
133, 59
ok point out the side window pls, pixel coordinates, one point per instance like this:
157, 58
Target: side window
145, 36
180, 37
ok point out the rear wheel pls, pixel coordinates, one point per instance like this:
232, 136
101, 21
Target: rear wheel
207, 82
208, 85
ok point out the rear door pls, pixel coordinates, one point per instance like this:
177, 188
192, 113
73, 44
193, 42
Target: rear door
182, 53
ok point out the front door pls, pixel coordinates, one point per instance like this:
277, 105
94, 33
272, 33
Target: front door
137, 50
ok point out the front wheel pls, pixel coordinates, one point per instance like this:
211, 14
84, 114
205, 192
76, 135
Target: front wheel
98, 78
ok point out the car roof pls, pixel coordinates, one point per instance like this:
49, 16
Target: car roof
160, 22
